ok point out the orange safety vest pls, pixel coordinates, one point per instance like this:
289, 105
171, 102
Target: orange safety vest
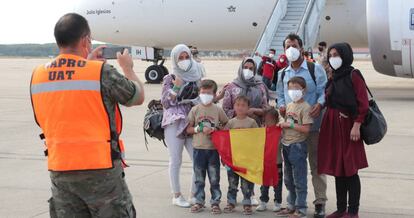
68, 106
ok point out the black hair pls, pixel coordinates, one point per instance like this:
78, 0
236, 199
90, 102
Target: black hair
249, 61
298, 80
292, 37
272, 111
242, 98
323, 43
208, 84
70, 29
274, 51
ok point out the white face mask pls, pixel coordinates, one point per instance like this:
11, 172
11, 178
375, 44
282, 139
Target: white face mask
206, 98
271, 55
184, 65
282, 60
292, 54
248, 74
295, 95
336, 62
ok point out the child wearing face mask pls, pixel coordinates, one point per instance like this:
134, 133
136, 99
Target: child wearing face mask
204, 119
241, 121
295, 131
268, 67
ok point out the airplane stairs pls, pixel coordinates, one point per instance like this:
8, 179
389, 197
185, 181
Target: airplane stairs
291, 16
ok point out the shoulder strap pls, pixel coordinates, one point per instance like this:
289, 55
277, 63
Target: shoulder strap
283, 74
311, 67
362, 77
145, 138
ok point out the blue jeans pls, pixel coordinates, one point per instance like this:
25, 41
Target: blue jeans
296, 172
264, 190
207, 161
246, 187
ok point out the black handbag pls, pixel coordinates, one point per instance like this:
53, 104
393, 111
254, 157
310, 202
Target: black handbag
153, 121
374, 127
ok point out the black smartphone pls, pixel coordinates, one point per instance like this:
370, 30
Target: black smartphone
110, 53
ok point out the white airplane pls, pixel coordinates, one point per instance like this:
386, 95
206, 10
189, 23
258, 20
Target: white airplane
385, 26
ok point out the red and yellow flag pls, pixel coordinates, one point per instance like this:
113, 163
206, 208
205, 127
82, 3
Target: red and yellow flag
251, 153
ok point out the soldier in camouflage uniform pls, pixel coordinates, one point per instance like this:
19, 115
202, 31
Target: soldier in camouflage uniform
96, 193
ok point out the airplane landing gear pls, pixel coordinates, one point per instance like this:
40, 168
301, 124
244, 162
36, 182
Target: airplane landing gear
155, 73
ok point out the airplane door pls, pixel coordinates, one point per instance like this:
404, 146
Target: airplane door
407, 53
411, 41
401, 24
408, 39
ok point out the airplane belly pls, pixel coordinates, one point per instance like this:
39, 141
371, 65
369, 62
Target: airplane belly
345, 21
221, 24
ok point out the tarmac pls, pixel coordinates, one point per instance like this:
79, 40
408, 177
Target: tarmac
387, 185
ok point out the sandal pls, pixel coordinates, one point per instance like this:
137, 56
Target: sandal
284, 212
229, 208
247, 210
215, 209
196, 208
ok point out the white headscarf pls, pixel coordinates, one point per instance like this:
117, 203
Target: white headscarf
194, 72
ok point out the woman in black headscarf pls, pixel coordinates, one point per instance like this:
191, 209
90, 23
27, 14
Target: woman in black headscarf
341, 151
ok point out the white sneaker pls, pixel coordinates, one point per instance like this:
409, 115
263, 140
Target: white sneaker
277, 207
180, 202
254, 201
262, 206
192, 200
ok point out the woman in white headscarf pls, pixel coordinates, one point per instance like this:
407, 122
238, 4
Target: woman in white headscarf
179, 93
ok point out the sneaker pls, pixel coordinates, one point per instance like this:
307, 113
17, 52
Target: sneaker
285, 212
180, 202
192, 200
277, 207
337, 214
254, 201
319, 211
261, 207
297, 214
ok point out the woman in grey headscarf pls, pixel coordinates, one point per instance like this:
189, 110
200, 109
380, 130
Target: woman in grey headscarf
250, 85
180, 89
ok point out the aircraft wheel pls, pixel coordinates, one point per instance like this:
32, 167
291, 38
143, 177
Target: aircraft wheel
165, 70
154, 74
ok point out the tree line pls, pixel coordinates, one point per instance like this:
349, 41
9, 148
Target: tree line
51, 50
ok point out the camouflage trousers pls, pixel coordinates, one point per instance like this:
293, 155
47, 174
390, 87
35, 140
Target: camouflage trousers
97, 193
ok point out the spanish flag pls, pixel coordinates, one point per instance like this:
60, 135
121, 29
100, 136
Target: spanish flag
251, 153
